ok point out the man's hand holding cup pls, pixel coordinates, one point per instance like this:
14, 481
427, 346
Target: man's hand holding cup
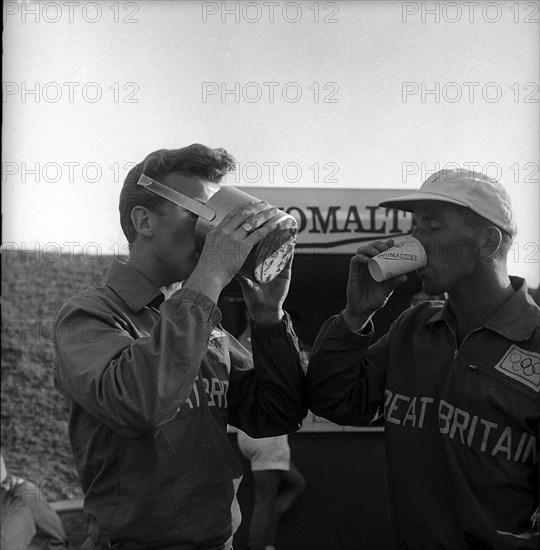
375, 271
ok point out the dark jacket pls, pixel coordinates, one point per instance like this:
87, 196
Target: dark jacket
152, 392
461, 423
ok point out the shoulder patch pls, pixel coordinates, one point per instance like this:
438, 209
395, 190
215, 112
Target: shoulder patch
521, 365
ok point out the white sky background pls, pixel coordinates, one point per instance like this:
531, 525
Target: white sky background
160, 54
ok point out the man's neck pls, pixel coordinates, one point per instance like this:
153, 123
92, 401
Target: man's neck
474, 304
147, 266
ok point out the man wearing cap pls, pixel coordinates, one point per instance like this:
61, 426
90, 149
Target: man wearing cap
458, 381
152, 377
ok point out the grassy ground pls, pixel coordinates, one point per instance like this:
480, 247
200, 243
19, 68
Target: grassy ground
34, 416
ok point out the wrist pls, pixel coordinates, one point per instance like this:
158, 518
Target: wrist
206, 282
267, 316
356, 321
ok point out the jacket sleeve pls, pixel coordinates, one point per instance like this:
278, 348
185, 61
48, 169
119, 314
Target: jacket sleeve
133, 385
346, 377
267, 393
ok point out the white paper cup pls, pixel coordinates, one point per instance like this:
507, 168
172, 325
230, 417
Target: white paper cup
405, 256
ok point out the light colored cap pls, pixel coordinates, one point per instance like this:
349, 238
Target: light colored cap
473, 190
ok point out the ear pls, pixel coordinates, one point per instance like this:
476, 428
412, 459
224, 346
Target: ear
492, 243
141, 218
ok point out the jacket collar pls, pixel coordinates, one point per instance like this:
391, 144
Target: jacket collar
516, 319
134, 288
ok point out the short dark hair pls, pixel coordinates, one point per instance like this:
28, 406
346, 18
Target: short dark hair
193, 160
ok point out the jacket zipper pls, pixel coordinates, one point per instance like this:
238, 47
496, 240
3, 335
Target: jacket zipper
506, 380
458, 348
484, 371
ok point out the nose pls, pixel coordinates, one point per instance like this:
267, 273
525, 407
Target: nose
416, 232
420, 235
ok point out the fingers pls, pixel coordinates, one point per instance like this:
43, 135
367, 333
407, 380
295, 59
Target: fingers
247, 218
259, 218
375, 247
365, 252
270, 224
389, 285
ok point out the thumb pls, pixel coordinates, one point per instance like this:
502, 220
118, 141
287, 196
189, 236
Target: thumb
390, 285
245, 283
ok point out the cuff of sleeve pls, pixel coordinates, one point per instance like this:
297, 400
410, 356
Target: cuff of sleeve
268, 331
343, 329
200, 300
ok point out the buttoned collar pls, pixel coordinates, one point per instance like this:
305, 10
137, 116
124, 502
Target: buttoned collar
516, 319
134, 288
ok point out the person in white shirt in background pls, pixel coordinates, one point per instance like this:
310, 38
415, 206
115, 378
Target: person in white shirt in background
277, 481
28, 521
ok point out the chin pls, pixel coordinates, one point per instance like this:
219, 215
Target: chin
182, 274
432, 288
187, 268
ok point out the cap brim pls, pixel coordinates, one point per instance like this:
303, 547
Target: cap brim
408, 202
